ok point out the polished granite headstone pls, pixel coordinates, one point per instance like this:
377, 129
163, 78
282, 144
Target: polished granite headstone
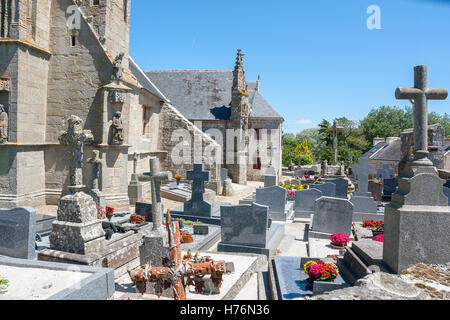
275, 198
18, 233
328, 189
447, 193
331, 215
341, 187
246, 228
305, 201
389, 187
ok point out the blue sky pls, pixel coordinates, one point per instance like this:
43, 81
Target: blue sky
317, 59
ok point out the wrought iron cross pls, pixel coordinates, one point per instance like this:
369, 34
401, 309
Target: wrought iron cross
420, 95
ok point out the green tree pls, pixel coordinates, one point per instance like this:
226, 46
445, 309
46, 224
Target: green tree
315, 141
304, 151
289, 145
386, 121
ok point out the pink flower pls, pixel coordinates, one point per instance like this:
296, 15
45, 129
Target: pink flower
379, 238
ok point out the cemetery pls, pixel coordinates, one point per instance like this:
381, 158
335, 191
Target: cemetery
107, 200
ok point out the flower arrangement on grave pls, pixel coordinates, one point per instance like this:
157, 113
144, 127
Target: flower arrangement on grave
194, 258
109, 213
186, 237
101, 214
378, 229
178, 177
371, 223
321, 271
3, 283
379, 238
339, 240
136, 219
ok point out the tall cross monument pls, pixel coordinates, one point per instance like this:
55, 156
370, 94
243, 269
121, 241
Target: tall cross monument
75, 137
420, 95
335, 128
418, 218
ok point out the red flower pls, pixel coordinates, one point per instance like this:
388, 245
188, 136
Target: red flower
109, 211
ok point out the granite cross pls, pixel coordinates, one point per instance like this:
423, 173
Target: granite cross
335, 128
75, 137
156, 176
363, 170
420, 94
386, 172
199, 176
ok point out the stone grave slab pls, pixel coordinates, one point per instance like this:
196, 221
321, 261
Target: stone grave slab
44, 224
293, 282
331, 215
376, 190
18, 233
341, 187
305, 201
270, 180
248, 199
246, 265
145, 209
365, 208
389, 187
276, 199
328, 189
182, 192
246, 228
38, 280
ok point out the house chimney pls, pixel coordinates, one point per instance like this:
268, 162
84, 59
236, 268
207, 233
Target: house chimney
378, 140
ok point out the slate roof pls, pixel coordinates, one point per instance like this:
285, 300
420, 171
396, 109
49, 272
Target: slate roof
374, 149
144, 81
206, 94
390, 152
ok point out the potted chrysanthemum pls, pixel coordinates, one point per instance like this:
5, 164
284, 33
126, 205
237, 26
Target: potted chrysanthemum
339, 240
3, 284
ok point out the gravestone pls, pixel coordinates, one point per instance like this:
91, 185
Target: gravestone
246, 228
18, 233
389, 187
417, 220
95, 192
77, 229
341, 187
276, 199
376, 189
447, 194
145, 209
365, 208
386, 172
331, 215
447, 184
223, 174
135, 187
328, 189
153, 249
305, 202
197, 208
270, 177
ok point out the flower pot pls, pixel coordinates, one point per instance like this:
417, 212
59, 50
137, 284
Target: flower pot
178, 182
376, 233
335, 246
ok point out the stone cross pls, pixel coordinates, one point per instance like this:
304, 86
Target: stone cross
96, 163
386, 172
199, 176
75, 137
156, 176
363, 170
335, 128
135, 162
420, 95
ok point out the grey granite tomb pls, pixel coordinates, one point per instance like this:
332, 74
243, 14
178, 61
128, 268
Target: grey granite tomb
341, 187
18, 233
365, 208
389, 187
331, 215
328, 189
305, 201
447, 194
245, 228
275, 198
197, 208
417, 220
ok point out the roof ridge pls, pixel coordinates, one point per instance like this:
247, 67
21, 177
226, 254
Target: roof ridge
154, 71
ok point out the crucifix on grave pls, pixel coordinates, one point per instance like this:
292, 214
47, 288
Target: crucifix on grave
155, 176
178, 272
386, 172
197, 206
362, 170
419, 96
335, 128
75, 137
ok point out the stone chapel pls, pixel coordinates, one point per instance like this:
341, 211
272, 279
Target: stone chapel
60, 58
